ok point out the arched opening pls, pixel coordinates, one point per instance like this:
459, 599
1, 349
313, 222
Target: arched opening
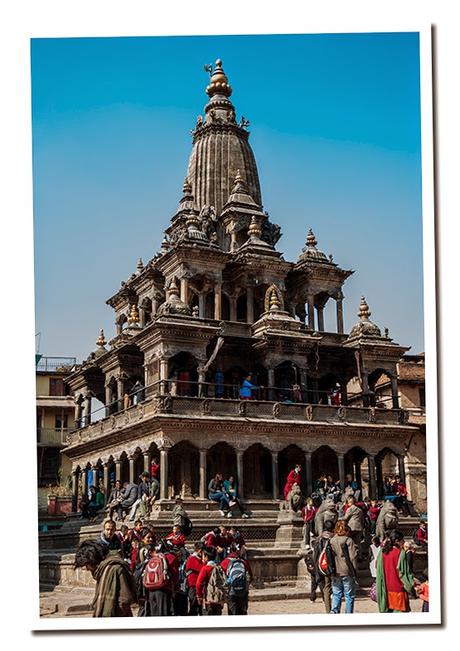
242, 308
287, 460
324, 460
183, 374
357, 469
287, 382
257, 472
146, 311
327, 386
120, 323
259, 300
138, 464
124, 468
183, 470
386, 465
221, 457
380, 389
112, 404
195, 303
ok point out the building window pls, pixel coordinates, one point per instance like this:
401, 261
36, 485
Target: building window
56, 386
421, 396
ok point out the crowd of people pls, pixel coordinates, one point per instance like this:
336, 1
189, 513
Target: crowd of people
163, 577
342, 529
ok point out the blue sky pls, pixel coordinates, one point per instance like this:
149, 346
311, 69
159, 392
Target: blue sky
335, 128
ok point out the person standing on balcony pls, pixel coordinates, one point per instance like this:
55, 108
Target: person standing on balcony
246, 388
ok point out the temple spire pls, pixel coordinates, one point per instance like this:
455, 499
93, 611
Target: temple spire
219, 83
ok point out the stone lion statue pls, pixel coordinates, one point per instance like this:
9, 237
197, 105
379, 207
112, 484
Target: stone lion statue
295, 498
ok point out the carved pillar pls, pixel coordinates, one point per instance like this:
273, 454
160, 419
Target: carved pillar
320, 312
108, 399
341, 460
271, 383
74, 491
202, 305
275, 476
141, 317
311, 311
154, 306
163, 474
131, 469
250, 304
372, 477
303, 384
232, 300
117, 470
365, 383
78, 414
394, 393
203, 469
146, 456
105, 481
184, 290
218, 302
339, 309
120, 393
86, 410
163, 375
401, 468
239, 472
233, 240
309, 473
84, 481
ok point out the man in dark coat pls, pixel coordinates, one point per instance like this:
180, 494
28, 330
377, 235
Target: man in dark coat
115, 589
130, 497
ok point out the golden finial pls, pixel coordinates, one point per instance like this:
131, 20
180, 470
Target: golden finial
101, 340
311, 239
254, 227
219, 83
364, 312
133, 317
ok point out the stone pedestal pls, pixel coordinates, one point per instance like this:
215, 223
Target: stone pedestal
290, 528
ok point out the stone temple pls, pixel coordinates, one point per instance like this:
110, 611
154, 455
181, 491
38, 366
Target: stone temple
219, 301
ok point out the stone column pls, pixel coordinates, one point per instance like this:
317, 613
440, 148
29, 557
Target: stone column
78, 412
203, 470
117, 469
84, 481
401, 468
365, 383
163, 375
239, 472
309, 473
341, 460
233, 316
372, 477
105, 481
339, 308
184, 290
320, 312
218, 302
141, 317
275, 476
311, 311
87, 410
131, 469
74, 491
394, 393
154, 306
250, 304
343, 393
163, 474
108, 399
146, 456
271, 383
201, 305
120, 393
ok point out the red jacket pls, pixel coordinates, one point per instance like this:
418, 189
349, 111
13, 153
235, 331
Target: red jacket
173, 563
154, 470
422, 535
177, 539
226, 562
373, 513
292, 478
401, 489
203, 580
193, 567
215, 540
308, 513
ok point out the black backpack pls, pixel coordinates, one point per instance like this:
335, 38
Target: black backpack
187, 527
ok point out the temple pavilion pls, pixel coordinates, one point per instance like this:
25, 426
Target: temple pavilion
218, 302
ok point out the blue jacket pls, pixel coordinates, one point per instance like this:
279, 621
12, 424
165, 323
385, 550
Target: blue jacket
245, 390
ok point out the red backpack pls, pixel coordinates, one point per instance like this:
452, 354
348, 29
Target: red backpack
156, 573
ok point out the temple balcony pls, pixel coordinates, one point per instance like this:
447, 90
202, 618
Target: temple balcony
158, 402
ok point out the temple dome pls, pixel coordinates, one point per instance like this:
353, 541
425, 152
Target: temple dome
365, 327
310, 252
220, 149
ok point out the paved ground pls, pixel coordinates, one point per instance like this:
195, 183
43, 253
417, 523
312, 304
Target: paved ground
59, 604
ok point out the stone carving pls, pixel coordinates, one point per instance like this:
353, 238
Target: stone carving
167, 403
206, 406
163, 442
276, 409
341, 413
271, 233
273, 299
403, 416
242, 408
295, 498
371, 415
309, 412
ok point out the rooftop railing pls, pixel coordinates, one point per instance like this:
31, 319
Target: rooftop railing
52, 364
